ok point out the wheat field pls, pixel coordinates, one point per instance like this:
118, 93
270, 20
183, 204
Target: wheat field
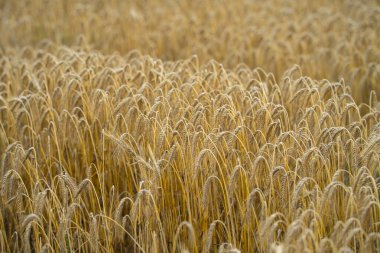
189, 126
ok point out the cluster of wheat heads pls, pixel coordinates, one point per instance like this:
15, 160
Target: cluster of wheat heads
329, 39
103, 153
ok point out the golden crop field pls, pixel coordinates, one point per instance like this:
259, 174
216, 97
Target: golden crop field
190, 126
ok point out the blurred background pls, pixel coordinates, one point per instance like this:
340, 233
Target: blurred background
328, 39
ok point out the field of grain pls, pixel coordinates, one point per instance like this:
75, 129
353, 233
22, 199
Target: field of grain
189, 126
